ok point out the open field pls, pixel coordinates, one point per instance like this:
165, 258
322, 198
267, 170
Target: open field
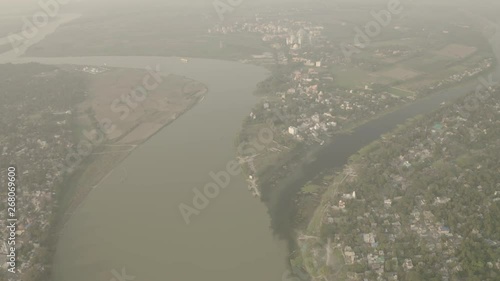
429, 62
158, 107
457, 51
400, 91
350, 77
399, 73
410, 64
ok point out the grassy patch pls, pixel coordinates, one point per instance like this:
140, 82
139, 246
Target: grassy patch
350, 77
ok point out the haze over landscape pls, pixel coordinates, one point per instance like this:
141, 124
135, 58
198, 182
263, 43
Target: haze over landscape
265, 140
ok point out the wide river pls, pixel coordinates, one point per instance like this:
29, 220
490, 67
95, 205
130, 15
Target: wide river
131, 221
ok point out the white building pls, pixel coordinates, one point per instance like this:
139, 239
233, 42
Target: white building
341, 204
349, 196
292, 130
388, 202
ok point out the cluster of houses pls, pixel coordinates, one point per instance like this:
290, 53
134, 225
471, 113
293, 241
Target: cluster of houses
383, 260
313, 104
384, 221
314, 109
472, 71
394, 52
37, 144
93, 69
292, 41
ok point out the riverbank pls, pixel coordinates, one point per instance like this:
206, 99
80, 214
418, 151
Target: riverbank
314, 216
108, 153
98, 166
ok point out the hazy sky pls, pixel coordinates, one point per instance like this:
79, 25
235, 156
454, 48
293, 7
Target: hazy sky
26, 6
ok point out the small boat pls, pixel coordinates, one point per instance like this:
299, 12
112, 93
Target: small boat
184, 60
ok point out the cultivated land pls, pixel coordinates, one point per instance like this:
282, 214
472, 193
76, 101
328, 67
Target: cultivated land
160, 106
457, 51
406, 64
